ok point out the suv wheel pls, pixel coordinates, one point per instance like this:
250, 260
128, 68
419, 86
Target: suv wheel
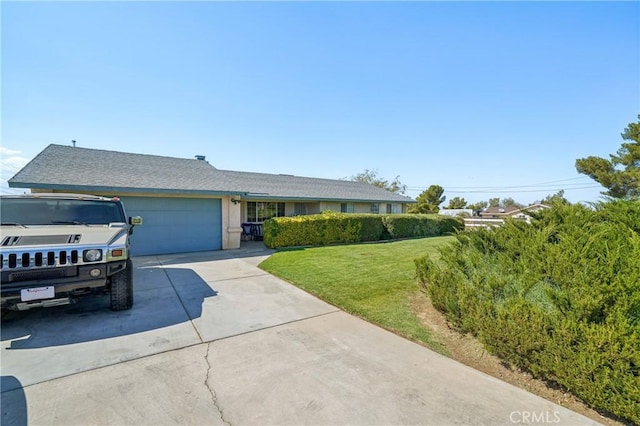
122, 289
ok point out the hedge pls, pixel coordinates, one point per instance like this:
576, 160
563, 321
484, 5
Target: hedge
341, 228
559, 297
418, 225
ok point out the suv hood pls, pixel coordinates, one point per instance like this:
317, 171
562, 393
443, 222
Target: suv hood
16, 236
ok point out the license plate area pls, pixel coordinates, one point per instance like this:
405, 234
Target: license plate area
37, 293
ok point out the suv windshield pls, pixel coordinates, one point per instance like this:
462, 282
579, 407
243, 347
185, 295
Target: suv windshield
42, 211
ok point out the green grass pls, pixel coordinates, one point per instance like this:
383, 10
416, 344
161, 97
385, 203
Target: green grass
373, 281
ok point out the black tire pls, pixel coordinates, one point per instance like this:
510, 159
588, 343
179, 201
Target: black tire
122, 289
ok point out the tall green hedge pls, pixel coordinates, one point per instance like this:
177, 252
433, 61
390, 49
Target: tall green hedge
419, 225
559, 297
338, 228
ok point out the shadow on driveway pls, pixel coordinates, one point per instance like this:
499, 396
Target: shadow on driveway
162, 297
14, 404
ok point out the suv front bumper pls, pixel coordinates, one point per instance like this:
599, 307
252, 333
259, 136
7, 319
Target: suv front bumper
67, 281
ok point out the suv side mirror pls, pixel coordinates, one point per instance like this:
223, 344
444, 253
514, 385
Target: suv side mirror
136, 220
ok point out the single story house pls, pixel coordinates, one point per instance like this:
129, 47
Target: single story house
511, 211
494, 216
189, 205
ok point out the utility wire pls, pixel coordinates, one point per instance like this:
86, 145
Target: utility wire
535, 187
501, 191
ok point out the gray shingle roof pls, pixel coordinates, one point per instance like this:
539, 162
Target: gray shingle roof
68, 168
262, 185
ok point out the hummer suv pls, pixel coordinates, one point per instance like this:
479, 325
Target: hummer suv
57, 247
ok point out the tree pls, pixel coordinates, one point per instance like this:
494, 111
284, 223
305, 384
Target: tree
494, 202
621, 173
429, 200
510, 202
480, 205
558, 197
371, 177
457, 203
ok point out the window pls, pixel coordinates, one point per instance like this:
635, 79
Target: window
299, 209
346, 208
375, 208
389, 208
259, 211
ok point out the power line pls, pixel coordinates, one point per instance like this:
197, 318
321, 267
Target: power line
549, 185
501, 191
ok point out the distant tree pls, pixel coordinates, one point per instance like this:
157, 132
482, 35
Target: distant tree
510, 202
621, 174
429, 200
371, 177
480, 205
494, 202
457, 203
558, 197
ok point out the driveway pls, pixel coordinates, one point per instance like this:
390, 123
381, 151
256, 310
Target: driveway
212, 339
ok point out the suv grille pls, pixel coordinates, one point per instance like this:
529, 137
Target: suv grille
37, 259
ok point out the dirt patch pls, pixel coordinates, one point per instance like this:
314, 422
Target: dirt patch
468, 350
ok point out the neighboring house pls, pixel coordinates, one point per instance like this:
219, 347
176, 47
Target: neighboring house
494, 216
189, 205
498, 212
510, 211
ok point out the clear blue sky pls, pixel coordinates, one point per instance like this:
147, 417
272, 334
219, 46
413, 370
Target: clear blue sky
504, 95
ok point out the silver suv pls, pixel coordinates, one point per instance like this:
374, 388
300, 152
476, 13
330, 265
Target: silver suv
56, 247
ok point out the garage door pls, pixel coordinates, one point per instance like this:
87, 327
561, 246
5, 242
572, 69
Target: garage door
175, 225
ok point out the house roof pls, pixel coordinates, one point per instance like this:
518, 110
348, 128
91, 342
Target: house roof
71, 168
499, 211
261, 185
511, 210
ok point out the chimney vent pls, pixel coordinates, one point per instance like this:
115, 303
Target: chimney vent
200, 157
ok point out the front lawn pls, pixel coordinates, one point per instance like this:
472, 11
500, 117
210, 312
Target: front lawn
373, 281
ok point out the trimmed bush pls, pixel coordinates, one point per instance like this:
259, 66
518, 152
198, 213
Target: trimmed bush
559, 297
341, 228
419, 225
322, 229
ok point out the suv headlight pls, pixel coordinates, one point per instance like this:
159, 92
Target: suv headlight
92, 255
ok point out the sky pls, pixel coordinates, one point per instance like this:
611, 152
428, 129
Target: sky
486, 99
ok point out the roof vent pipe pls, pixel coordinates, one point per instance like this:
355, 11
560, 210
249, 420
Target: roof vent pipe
200, 157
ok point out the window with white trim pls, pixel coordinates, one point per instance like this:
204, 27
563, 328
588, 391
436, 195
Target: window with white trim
346, 208
299, 209
259, 211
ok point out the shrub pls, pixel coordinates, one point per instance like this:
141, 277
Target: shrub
334, 228
420, 225
322, 229
559, 297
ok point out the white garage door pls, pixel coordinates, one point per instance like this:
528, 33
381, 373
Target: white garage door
175, 225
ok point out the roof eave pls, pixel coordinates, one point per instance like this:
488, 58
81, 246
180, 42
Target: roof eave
250, 196
117, 189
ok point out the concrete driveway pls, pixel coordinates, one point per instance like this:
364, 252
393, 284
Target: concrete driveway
212, 339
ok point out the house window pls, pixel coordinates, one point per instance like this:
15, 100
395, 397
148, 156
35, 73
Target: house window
389, 208
346, 208
299, 209
375, 208
259, 211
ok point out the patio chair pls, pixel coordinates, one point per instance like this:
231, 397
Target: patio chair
247, 229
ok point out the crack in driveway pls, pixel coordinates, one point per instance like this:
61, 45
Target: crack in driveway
214, 396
